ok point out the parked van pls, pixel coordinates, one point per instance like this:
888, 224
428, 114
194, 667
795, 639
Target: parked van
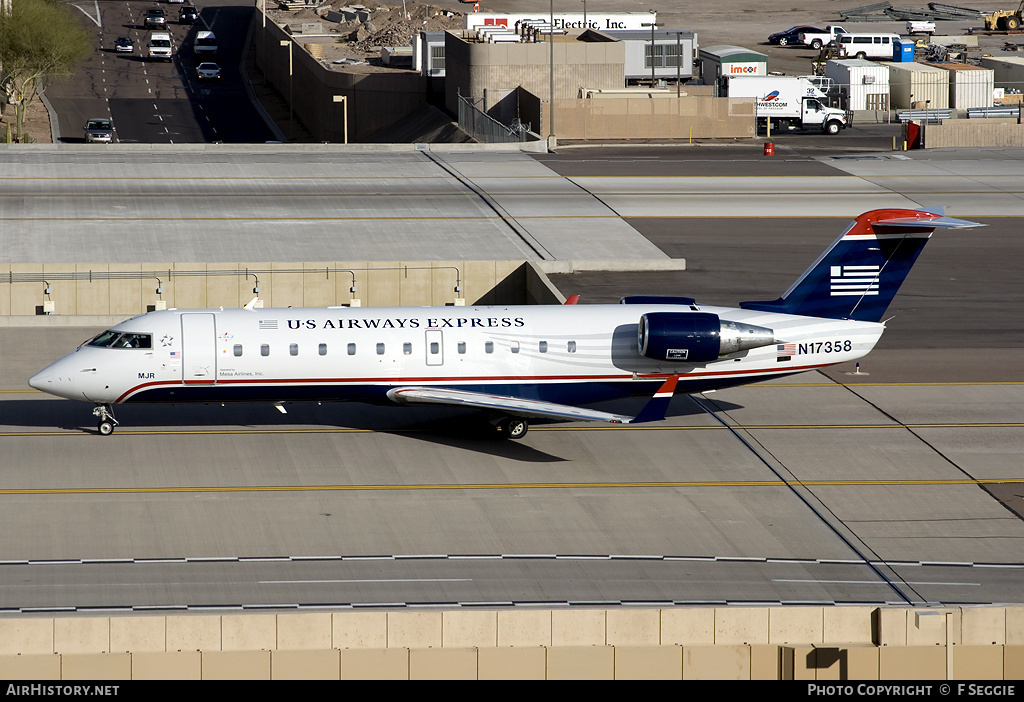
159, 46
869, 46
205, 44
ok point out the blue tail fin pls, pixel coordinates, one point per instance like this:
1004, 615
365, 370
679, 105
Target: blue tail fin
859, 274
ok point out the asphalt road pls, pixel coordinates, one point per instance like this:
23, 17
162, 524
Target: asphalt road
158, 102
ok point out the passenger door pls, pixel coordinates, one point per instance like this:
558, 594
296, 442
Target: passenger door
199, 349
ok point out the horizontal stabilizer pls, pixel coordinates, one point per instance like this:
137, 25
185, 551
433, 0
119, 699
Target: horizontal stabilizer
914, 222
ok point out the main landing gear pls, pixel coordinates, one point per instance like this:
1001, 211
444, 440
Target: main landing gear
106, 423
512, 427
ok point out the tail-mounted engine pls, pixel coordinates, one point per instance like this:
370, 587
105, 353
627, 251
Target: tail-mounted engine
696, 337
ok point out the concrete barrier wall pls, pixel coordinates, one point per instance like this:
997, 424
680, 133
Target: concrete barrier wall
374, 100
662, 118
377, 284
980, 133
737, 643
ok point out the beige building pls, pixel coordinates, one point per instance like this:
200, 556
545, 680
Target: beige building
490, 72
517, 80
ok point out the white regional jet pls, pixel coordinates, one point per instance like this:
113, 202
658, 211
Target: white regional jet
514, 362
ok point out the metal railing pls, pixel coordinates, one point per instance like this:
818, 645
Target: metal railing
482, 127
169, 274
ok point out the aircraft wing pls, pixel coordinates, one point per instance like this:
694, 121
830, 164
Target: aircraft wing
521, 407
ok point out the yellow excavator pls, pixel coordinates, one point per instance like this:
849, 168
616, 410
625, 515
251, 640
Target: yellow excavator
1005, 19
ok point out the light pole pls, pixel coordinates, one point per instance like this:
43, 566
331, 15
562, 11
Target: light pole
679, 59
291, 109
343, 99
653, 26
551, 73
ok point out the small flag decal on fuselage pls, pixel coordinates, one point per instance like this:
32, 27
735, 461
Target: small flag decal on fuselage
853, 280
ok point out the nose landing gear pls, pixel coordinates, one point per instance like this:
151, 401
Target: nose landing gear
106, 423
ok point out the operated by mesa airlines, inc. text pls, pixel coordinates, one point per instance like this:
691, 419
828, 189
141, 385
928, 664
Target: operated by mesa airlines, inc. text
912, 690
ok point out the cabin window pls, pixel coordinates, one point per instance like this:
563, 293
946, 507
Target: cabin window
488, 347
238, 349
380, 349
435, 348
407, 348
293, 349
571, 347
461, 347
542, 347
322, 349
515, 347
264, 349
351, 349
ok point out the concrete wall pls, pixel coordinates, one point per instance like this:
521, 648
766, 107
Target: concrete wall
375, 100
975, 133
662, 118
741, 643
378, 284
470, 68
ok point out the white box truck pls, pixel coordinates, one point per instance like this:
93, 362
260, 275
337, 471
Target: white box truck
159, 46
789, 102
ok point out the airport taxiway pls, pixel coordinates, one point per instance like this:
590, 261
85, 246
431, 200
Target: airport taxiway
900, 484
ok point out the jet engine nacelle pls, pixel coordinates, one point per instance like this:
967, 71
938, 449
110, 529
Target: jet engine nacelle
696, 337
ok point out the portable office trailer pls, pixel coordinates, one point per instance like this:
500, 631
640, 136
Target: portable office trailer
865, 84
718, 63
1008, 71
918, 85
969, 85
428, 54
672, 53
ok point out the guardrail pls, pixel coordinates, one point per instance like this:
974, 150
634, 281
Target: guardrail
930, 116
990, 112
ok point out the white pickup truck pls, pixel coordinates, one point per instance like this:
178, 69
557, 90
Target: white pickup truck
914, 27
816, 40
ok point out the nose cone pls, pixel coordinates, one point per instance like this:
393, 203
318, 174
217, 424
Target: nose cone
43, 380
56, 379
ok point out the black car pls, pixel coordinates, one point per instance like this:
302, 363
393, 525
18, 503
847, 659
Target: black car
791, 35
155, 19
124, 45
188, 15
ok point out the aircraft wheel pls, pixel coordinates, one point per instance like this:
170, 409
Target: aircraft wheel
513, 427
105, 427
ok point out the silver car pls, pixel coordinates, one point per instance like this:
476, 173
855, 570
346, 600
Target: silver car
208, 71
99, 130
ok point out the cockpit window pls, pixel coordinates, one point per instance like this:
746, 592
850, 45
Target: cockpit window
122, 340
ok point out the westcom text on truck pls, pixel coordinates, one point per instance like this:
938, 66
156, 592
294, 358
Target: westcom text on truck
789, 102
